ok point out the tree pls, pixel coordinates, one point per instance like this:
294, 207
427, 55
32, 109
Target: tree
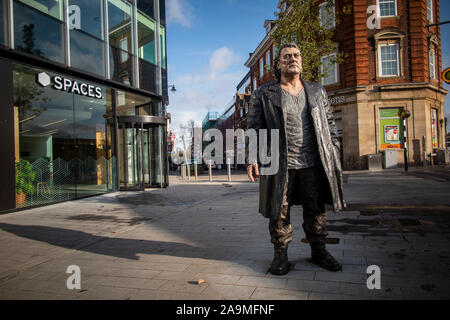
300, 23
28, 39
185, 136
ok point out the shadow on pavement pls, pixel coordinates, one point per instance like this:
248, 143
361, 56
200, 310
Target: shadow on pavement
118, 247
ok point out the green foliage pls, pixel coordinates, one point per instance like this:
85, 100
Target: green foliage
300, 23
25, 176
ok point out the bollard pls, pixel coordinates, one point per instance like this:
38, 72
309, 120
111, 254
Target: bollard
195, 170
182, 172
229, 170
424, 147
188, 171
210, 172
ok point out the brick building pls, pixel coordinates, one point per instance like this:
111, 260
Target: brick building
243, 93
260, 62
393, 63
226, 121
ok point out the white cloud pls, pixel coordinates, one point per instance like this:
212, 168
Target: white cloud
179, 11
445, 60
220, 60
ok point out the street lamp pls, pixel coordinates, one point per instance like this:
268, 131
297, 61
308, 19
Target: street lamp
173, 90
405, 114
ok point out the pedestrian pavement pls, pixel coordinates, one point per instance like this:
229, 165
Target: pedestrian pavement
201, 240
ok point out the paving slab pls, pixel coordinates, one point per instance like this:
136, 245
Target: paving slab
157, 244
278, 294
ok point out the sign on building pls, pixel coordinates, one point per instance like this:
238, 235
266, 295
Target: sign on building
391, 127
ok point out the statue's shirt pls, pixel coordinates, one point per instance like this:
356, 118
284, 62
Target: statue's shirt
301, 137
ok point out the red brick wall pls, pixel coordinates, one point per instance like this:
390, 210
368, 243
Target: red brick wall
419, 47
357, 41
254, 68
223, 125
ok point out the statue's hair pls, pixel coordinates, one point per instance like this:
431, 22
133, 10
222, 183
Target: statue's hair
277, 71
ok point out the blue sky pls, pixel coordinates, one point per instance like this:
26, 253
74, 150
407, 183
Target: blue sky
208, 42
445, 41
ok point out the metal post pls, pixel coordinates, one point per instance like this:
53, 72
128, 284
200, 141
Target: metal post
135, 57
405, 146
424, 147
116, 139
10, 24
195, 169
182, 171
106, 37
210, 171
67, 33
229, 169
158, 47
188, 171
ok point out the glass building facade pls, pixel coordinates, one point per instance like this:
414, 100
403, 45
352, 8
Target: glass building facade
85, 87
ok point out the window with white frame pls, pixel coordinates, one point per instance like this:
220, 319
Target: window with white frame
274, 50
432, 63
254, 84
327, 15
268, 58
261, 67
330, 68
387, 8
388, 60
430, 10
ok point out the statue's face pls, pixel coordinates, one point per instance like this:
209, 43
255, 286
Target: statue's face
290, 61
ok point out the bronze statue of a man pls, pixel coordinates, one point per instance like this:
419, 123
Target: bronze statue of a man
309, 171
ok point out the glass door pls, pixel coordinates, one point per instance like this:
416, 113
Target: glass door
131, 156
152, 158
156, 157
141, 157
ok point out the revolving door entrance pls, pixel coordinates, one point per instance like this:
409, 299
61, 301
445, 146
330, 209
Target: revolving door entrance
141, 156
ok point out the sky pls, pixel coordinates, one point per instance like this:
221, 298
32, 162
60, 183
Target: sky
208, 42
445, 41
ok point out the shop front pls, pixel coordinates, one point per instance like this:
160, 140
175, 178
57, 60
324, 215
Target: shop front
369, 124
75, 138
84, 92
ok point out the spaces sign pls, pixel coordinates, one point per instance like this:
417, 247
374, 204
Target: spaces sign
69, 85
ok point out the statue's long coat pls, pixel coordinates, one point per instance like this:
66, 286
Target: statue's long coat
266, 112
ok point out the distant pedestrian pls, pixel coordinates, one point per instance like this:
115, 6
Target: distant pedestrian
310, 171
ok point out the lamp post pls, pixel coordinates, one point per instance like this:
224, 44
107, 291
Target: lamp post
164, 106
404, 114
